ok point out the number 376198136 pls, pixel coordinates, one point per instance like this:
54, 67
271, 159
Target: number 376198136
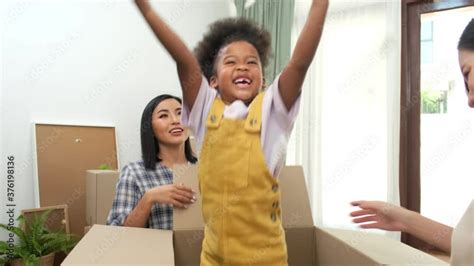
11, 179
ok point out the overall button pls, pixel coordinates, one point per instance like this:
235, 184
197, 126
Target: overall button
275, 204
253, 121
213, 118
275, 188
273, 217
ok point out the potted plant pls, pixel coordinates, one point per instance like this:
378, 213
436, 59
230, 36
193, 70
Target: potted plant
37, 244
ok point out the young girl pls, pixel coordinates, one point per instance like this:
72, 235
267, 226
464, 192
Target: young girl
240, 131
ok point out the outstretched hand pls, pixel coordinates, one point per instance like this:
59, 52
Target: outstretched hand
380, 215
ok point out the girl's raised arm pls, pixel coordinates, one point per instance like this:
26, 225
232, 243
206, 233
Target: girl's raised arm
293, 75
189, 71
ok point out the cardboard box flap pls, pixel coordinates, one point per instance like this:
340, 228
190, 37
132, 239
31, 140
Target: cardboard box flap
296, 211
331, 250
191, 217
117, 245
382, 249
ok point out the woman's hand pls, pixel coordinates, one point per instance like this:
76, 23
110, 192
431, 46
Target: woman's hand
178, 195
380, 215
386, 216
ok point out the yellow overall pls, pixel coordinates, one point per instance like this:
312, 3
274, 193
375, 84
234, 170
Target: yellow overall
240, 198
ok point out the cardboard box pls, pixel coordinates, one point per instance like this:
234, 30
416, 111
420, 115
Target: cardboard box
100, 193
307, 244
115, 245
87, 228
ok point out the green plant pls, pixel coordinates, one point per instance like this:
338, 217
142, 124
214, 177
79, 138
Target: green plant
433, 102
35, 240
104, 167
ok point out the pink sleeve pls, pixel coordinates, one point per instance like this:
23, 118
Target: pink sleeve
195, 119
277, 108
277, 124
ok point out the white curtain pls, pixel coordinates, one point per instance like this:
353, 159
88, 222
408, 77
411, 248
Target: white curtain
347, 133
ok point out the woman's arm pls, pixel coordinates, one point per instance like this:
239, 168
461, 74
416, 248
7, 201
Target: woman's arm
126, 197
385, 216
128, 209
436, 234
293, 75
139, 216
189, 71
178, 195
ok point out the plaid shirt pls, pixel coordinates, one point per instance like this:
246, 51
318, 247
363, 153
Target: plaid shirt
134, 181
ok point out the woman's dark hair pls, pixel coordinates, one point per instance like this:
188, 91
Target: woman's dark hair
466, 42
150, 147
226, 31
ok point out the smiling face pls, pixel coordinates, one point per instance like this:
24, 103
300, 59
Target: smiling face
166, 123
238, 72
466, 62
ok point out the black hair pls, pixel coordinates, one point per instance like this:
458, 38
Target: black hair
466, 42
150, 147
226, 31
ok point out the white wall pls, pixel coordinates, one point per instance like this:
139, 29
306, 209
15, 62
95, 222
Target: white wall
84, 63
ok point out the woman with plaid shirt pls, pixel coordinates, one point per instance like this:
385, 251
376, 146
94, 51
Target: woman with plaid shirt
145, 193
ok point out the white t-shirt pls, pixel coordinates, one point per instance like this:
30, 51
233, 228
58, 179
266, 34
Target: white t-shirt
277, 121
462, 247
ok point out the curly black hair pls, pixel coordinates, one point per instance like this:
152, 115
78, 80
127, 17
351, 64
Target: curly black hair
225, 31
466, 41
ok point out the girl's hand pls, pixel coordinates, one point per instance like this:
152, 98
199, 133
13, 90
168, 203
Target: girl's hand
178, 195
380, 215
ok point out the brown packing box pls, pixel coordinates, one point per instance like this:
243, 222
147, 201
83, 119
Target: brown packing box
87, 228
115, 245
100, 193
307, 244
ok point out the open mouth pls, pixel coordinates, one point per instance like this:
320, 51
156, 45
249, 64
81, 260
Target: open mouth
176, 131
242, 82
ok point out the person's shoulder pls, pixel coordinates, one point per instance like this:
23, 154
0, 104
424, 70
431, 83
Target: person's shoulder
271, 90
274, 84
136, 168
135, 165
162, 169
